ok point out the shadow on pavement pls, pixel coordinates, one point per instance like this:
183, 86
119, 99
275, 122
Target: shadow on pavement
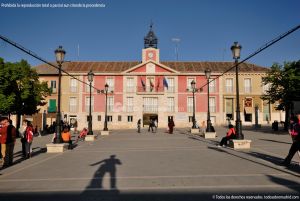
266, 130
285, 182
142, 196
18, 157
268, 140
269, 158
107, 166
275, 160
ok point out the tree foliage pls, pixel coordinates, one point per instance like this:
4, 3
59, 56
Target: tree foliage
283, 82
284, 85
21, 92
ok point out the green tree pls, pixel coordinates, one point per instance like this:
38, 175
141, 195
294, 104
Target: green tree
284, 86
21, 92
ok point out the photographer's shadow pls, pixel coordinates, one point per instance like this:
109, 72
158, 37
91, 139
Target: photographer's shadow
107, 166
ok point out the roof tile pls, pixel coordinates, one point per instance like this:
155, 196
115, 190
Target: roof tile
118, 66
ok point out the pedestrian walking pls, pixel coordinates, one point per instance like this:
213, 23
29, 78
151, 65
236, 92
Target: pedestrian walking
155, 125
292, 131
296, 141
171, 125
231, 134
29, 139
150, 125
139, 125
0, 142
22, 131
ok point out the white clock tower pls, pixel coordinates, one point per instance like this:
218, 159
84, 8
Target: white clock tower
150, 51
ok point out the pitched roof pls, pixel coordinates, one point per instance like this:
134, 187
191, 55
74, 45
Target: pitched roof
220, 67
119, 66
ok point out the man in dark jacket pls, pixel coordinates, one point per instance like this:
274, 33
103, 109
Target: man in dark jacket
296, 143
10, 142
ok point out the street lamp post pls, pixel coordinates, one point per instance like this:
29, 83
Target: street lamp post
60, 55
105, 121
236, 51
90, 78
193, 84
209, 127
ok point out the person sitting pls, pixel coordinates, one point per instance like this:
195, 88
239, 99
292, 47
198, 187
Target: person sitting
82, 134
66, 137
202, 128
231, 134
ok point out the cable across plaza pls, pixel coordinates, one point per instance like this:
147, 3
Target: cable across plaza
262, 48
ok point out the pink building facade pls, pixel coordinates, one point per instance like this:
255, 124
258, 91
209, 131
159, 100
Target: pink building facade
146, 89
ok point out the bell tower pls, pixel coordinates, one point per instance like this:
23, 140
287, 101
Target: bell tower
150, 51
150, 40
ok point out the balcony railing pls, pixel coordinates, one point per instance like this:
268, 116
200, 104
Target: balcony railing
150, 90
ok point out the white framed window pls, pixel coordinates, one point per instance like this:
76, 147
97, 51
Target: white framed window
129, 104
111, 83
87, 86
87, 104
110, 103
247, 85
73, 85
212, 104
73, 104
171, 86
130, 85
229, 85
150, 104
171, 104
53, 86
188, 84
212, 85
190, 104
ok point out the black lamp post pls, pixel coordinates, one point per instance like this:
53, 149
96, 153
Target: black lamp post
105, 121
193, 84
60, 55
90, 78
209, 127
236, 51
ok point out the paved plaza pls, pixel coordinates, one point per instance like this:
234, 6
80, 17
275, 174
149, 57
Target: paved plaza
127, 165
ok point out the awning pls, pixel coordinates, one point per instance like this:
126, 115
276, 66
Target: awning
248, 110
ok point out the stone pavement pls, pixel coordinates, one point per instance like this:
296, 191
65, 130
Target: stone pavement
155, 166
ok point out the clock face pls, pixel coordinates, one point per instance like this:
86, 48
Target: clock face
150, 55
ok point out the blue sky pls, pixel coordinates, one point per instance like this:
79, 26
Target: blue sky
206, 28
